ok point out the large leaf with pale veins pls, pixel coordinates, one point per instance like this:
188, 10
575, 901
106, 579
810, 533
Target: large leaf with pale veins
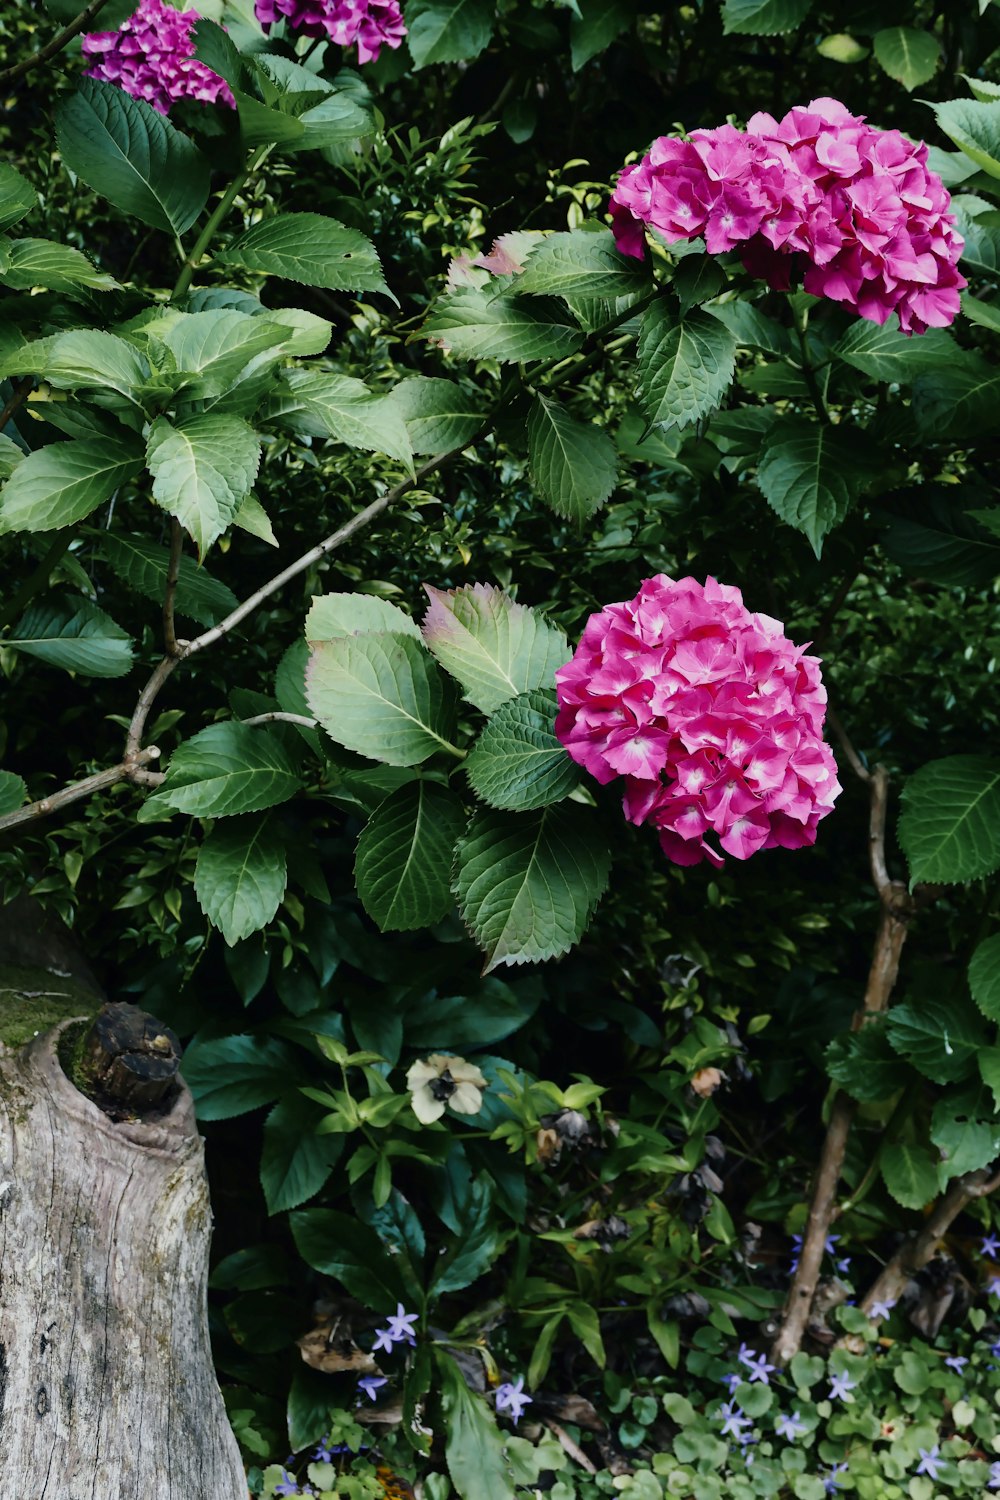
763, 17
58, 267
228, 768
144, 567
58, 485
202, 467
403, 863
474, 1447
131, 154
495, 648
439, 414
686, 364
950, 824
528, 883
582, 263
984, 977
476, 323
574, 465
383, 696
240, 876
342, 408
886, 353
810, 474
448, 30
76, 636
332, 615
310, 248
517, 762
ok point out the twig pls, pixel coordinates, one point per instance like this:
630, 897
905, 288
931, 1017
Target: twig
22, 390
133, 739
856, 763
126, 771
171, 645
58, 42
216, 217
569, 1447
281, 718
896, 909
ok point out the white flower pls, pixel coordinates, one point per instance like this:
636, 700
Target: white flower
441, 1082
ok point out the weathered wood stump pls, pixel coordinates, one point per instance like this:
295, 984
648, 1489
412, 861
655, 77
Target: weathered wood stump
107, 1389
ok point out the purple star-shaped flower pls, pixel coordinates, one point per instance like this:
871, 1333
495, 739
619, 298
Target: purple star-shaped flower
510, 1398
882, 1309
830, 1478
288, 1484
989, 1245
956, 1362
993, 1483
844, 1265
731, 1381
398, 1330
929, 1462
759, 1369
840, 1385
370, 1384
790, 1427
733, 1419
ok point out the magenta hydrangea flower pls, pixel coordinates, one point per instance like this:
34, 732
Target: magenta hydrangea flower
151, 56
855, 209
709, 714
372, 24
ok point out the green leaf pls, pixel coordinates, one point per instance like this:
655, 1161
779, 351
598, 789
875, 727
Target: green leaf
339, 1245
984, 977
334, 615
986, 314
230, 1075
965, 1129
763, 17
582, 263
476, 323
496, 648
403, 863
448, 30
752, 328
959, 402
486, 1013
810, 474
240, 876
685, 366
17, 196
13, 791
59, 267
989, 1070
202, 467
382, 696
573, 464
216, 49
528, 883
585, 1323
295, 1162
340, 407
211, 348
909, 1172
76, 636
841, 47
474, 1449
10, 456
228, 768
58, 485
439, 415
934, 535
939, 1036
143, 566
309, 248
981, 255
975, 129
950, 824
517, 762
886, 353
595, 26
81, 357
132, 155
907, 55
252, 517
477, 1243
865, 1065
697, 279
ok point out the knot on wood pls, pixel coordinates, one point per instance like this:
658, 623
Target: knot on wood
129, 1061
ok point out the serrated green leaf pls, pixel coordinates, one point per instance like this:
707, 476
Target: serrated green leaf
909, 1172
907, 55
339, 1245
686, 365
13, 791
250, 516
439, 415
81, 357
59, 267
940, 1037
342, 408
573, 464
143, 566
582, 263
202, 467
474, 1449
211, 348
309, 248
230, 1075
62, 483
240, 876
528, 883
333, 615
517, 762
984, 977
935, 535
981, 254
132, 155
76, 636
975, 129
810, 474
448, 30
474, 323
989, 1071
10, 456
959, 402
865, 1065
228, 768
763, 17
595, 26
382, 696
966, 1130
984, 313
494, 647
950, 824
295, 1162
403, 863
17, 196
886, 353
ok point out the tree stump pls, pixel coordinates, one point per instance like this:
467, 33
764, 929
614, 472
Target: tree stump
107, 1389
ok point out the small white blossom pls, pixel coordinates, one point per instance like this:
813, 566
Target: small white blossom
441, 1082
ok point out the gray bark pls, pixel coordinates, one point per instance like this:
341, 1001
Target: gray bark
107, 1390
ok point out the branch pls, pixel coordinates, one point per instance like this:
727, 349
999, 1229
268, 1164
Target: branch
170, 642
126, 771
281, 718
22, 390
133, 739
854, 759
58, 42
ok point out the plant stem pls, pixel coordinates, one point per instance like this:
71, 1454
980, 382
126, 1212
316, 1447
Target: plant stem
808, 372
78, 789
276, 717
22, 390
170, 642
220, 211
58, 42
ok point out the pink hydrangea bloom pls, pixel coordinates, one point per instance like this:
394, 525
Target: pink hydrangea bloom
372, 24
710, 715
151, 56
856, 209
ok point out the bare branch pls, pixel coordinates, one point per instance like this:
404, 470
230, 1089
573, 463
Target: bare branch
856, 763
170, 642
281, 718
58, 42
126, 771
133, 739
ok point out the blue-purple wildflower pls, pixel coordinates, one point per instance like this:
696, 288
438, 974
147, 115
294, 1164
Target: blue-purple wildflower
510, 1398
930, 1462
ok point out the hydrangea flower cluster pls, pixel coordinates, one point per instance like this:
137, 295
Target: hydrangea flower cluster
372, 24
711, 716
857, 208
151, 56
